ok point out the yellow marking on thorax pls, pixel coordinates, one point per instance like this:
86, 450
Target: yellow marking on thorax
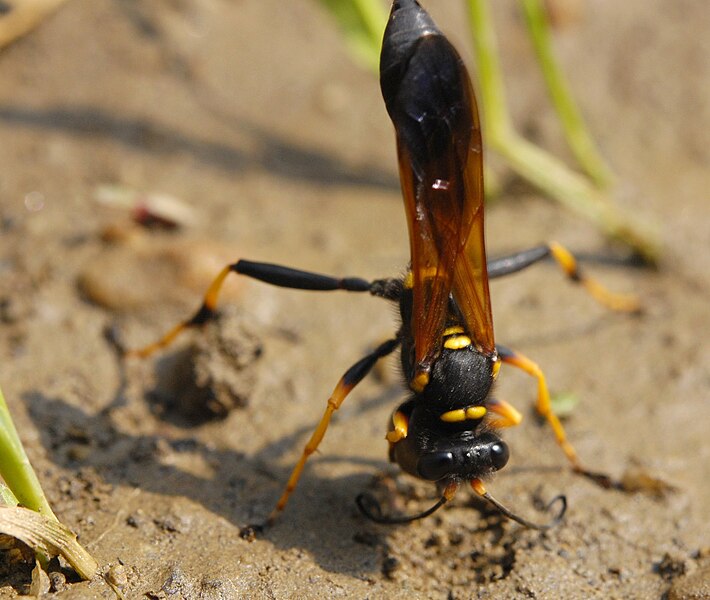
452, 330
419, 382
496, 366
455, 338
471, 413
457, 342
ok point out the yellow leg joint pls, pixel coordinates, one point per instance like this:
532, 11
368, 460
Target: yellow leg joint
564, 258
612, 300
419, 382
209, 303
212, 294
400, 423
508, 415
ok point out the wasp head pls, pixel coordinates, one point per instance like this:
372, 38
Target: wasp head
438, 451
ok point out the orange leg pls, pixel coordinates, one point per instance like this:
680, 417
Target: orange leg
203, 314
544, 405
352, 377
266, 272
505, 265
400, 425
508, 415
612, 300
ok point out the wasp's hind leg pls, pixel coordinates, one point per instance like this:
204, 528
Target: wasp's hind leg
266, 272
506, 414
352, 377
544, 408
517, 262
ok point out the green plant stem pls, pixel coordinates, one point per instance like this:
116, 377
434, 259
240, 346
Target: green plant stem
15, 467
578, 137
362, 23
7, 498
43, 532
576, 193
536, 165
492, 91
374, 17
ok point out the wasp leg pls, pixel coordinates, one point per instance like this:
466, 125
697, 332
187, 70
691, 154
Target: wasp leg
352, 377
266, 272
544, 406
507, 414
517, 262
400, 427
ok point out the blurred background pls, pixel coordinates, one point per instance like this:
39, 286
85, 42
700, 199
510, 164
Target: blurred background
143, 145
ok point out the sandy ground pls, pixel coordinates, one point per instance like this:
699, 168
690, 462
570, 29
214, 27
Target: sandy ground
250, 112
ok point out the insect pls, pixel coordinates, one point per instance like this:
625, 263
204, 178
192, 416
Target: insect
447, 430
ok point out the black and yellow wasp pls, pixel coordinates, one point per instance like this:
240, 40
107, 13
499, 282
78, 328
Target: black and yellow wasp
447, 429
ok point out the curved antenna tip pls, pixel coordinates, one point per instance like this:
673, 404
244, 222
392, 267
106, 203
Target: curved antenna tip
372, 509
561, 498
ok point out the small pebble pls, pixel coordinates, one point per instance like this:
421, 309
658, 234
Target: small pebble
389, 566
117, 576
57, 581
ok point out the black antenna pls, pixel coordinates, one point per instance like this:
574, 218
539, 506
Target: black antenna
372, 509
540, 527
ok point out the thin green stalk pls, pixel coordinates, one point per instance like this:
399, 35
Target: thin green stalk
362, 22
7, 498
33, 522
578, 137
15, 467
576, 193
534, 164
485, 46
374, 17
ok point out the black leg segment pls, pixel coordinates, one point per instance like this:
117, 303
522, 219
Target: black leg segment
266, 272
361, 368
297, 279
347, 382
506, 265
565, 259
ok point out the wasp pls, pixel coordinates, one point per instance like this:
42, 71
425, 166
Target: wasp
448, 429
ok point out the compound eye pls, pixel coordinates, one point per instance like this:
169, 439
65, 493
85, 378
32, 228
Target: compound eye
435, 466
499, 454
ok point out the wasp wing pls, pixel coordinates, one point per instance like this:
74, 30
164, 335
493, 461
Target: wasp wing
470, 288
429, 97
